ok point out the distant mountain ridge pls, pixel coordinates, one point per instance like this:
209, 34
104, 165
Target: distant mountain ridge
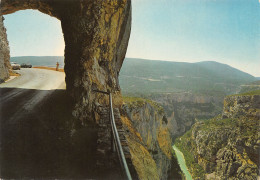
153, 76
221, 69
156, 76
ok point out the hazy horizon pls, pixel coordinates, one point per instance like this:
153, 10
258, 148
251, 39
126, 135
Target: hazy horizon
152, 60
169, 30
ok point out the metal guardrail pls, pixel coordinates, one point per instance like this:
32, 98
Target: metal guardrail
116, 139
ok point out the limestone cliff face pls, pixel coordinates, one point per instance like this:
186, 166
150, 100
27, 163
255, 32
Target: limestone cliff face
227, 146
4, 53
148, 138
183, 108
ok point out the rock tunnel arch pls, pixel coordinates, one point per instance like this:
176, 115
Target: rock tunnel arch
96, 35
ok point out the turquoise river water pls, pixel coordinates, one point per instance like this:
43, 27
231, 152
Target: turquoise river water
182, 163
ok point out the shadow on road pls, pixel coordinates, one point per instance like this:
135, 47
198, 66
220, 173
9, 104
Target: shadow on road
39, 143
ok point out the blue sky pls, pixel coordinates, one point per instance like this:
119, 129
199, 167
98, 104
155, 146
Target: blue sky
226, 31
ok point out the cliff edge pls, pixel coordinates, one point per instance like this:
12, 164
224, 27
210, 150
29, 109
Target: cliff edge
148, 138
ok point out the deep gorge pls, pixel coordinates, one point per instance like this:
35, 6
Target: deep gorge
96, 35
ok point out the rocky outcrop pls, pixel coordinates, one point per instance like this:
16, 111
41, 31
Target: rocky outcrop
4, 53
148, 138
184, 108
227, 146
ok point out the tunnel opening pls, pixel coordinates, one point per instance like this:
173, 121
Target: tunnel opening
36, 41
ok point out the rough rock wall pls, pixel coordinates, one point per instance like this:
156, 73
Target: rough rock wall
96, 36
226, 147
183, 108
148, 138
4, 52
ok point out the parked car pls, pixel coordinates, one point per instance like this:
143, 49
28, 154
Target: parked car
15, 66
24, 65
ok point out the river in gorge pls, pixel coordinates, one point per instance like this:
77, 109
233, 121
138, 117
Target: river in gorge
181, 162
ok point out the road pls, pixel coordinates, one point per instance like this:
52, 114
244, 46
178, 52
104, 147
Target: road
35, 130
40, 79
33, 110
29, 89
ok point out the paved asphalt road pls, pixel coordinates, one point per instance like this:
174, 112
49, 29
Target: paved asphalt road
28, 90
37, 79
30, 133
